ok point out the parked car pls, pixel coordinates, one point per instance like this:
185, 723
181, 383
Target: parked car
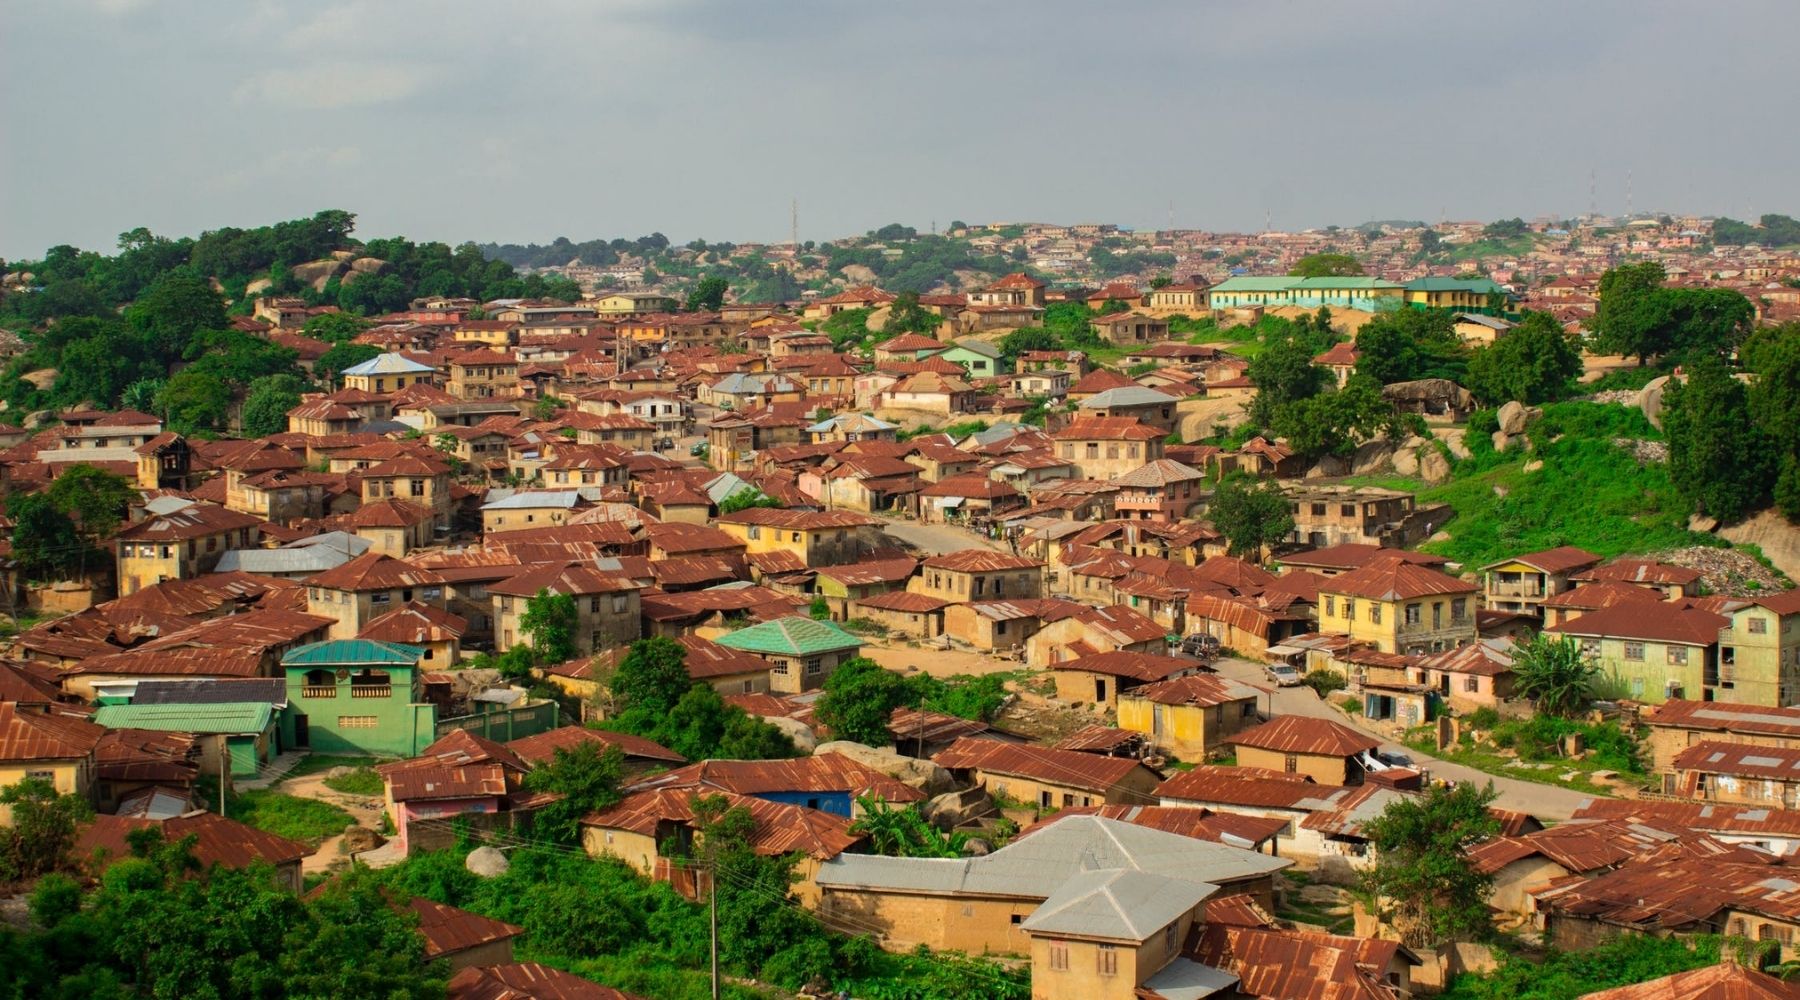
1393, 758
1283, 675
1200, 646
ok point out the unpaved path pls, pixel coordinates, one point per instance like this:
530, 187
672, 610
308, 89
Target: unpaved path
366, 809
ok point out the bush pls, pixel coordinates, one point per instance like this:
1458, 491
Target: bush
1484, 717
360, 781
306, 820
1325, 681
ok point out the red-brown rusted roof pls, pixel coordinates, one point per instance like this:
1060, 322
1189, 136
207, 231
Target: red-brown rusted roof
218, 839
542, 747
1299, 734
1069, 768
448, 930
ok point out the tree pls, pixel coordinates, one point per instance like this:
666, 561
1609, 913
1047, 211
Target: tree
587, 779
1421, 879
906, 315
334, 328
1326, 265
859, 697
1337, 423
1505, 229
550, 620
708, 294
44, 824
1774, 355
1251, 513
267, 405
904, 832
1555, 674
745, 497
1627, 319
652, 676
847, 329
141, 395
342, 356
1534, 362
95, 499
1030, 338
176, 307
354, 942
1719, 458
45, 543
194, 402
1411, 344
1283, 372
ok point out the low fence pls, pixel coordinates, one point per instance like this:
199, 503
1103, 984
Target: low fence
505, 724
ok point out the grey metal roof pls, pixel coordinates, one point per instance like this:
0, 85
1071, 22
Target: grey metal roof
166, 505
316, 558
1185, 979
1126, 395
341, 541
391, 363
533, 499
1033, 867
1122, 904
211, 692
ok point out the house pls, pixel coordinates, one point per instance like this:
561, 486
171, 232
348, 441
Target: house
626, 304
1189, 716
1273, 963
979, 905
1738, 774
1398, 607
1474, 676
1663, 651
907, 347
1726, 979
928, 392
1522, 582
358, 696
828, 782
531, 509
851, 427
801, 652
1160, 490
1047, 778
973, 500
979, 358
979, 574
55, 748
1089, 630
1180, 298
1051, 384
646, 823
1116, 934
1436, 400
1523, 863
367, 587
458, 775
1337, 516
248, 644
434, 631
1103, 448
607, 612
1016, 289
181, 544
387, 373
1678, 724
1325, 751
1773, 831
217, 840
913, 616
1762, 646
462, 940
392, 527
1101, 679
1477, 330
1669, 581
997, 625
1125, 293
816, 538
1372, 295
1128, 328
1684, 896
640, 754
424, 481
239, 737
1569, 605
1149, 406
483, 373
1467, 296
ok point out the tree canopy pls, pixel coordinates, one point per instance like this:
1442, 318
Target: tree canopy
1251, 513
550, 620
1421, 879
1555, 674
1719, 455
858, 698
1534, 362
1326, 265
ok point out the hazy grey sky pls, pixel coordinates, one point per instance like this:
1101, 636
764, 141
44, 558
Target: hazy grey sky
526, 120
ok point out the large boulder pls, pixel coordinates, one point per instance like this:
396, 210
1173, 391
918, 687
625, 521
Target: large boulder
1406, 461
368, 265
1650, 400
1373, 456
910, 771
795, 730
955, 810
1433, 466
1513, 416
1329, 467
487, 862
317, 271
1459, 449
358, 839
258, 286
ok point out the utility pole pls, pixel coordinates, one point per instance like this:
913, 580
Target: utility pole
794, 224
712, 880
224, 770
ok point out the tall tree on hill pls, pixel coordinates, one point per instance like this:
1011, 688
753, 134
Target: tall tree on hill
1326, 265
1774, 354
1283, 372
1628, 319
708, 294
1251, 513
1535, 362
1719, 458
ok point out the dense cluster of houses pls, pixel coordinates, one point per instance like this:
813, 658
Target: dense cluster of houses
319, 590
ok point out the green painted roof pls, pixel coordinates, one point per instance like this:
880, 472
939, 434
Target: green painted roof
227, 717
1285, 283
1480, 286
790, 637
353, 652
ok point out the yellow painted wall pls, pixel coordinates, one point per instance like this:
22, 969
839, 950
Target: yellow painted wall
1324, 770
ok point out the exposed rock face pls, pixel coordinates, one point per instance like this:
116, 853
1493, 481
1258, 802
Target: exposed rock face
1515, 416
798, 731
921, 774
1651, 400
358, 839
1372, 457
317, 271
487, 862
1433, 466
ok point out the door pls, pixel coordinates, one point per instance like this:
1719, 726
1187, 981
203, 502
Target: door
301, 739
1099, 691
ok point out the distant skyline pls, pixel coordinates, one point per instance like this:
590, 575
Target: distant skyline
518, 123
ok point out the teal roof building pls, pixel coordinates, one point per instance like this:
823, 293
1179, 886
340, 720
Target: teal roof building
359, 696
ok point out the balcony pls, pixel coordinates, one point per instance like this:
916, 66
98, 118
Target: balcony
1527, 590
371, 691
319, 691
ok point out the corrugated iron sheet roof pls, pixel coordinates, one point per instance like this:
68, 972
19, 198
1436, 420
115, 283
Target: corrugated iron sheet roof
1090, 772
1301, 734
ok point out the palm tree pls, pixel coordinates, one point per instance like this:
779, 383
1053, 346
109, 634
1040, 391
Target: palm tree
1556, 674
904, 832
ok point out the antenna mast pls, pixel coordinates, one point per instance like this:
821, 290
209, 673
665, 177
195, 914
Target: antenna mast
794, 223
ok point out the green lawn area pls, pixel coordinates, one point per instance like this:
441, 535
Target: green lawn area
306, 820
317, 762
1495, 763
361, 781
1290, 906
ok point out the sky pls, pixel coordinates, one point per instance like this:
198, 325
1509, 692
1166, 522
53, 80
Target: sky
524, 121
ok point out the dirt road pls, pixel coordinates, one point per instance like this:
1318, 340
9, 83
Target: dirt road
1548, 802
937, 539
939, 662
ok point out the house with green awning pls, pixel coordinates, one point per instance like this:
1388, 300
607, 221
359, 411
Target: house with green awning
359, 696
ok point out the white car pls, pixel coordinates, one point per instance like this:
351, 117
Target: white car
1283, 675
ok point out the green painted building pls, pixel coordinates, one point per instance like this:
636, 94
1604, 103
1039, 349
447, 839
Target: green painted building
1470, 295
978, 357
801, 652
247, 728
359, 696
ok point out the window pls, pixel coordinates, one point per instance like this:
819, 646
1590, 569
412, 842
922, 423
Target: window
1059, 956
1459, 609
1634, 651
813, 665
1350, 608
1374, 613
1291, 764
1171, 937
49, 776
780, 667
380, 598
1414, 614
1678, 656
1247, 710
418, 487
1471, 684
1045, 800
1318, 510
1637, 687
1330, 607
1108, 960
1347, 510
619, 603
1759, 626
357, 721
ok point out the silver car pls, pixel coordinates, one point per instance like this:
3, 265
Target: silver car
1282, 674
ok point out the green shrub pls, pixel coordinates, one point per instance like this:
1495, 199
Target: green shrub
360, 781
1484, 717
309, 821
1324, 681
